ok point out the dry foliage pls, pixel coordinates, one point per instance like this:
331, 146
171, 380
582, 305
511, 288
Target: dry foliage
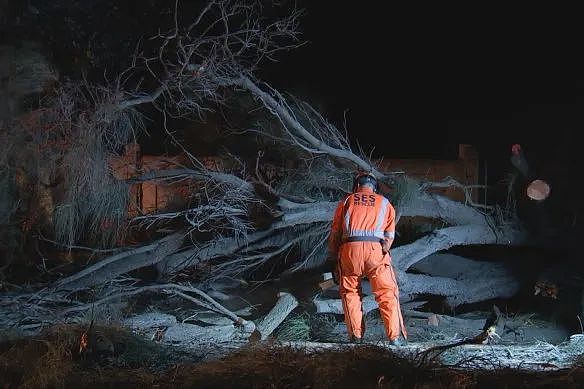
52, 360
58, 157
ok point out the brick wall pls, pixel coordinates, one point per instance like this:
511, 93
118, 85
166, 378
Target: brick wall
156, 196
465, 169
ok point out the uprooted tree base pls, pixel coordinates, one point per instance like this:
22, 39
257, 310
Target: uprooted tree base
53, 359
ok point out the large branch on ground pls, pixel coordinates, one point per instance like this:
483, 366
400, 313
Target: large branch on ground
458, 292
321, 212
440, 207
208, 302
316, 213
208, 250
285, 304
111, 267
187, 335
458, 279
407, 255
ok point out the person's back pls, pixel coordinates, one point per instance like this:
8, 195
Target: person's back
361, 235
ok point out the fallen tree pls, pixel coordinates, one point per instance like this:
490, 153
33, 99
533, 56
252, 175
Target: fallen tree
198, 67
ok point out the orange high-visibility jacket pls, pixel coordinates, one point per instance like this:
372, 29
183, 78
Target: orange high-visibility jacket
363, 215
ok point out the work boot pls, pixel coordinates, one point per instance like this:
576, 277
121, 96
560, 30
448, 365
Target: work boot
398, 342
356, 339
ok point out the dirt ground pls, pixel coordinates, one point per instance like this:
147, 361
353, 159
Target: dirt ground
53, 360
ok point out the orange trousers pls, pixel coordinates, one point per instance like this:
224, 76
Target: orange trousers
359, 259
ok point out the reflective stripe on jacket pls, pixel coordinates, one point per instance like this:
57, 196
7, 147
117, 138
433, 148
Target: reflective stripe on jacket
362, 214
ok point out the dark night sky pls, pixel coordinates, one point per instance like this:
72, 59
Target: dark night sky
418, 81
415, 79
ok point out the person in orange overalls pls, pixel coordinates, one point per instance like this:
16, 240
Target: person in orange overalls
361, 235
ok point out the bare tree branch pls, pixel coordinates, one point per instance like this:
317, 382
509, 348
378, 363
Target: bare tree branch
278, 106
466, 189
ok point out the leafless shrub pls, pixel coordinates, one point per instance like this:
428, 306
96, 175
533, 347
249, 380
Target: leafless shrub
94, 203
99, 213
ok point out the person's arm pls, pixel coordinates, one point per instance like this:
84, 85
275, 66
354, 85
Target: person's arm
389, 230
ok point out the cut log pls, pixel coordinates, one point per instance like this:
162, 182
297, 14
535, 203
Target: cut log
285, 304
193, 336
190, 335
